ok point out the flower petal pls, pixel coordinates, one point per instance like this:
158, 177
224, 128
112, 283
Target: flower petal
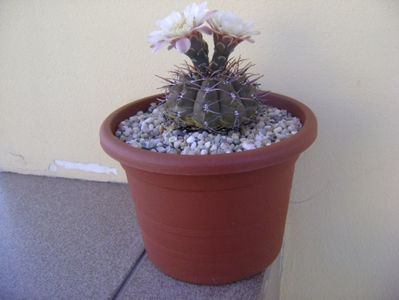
175, 28
210, 14
226, 23
183, 44
155, 37
205, 29
158, 46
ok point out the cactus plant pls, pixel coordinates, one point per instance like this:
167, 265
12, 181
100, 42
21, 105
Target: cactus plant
211, 95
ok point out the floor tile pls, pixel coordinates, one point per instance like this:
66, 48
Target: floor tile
147, 283
64, 239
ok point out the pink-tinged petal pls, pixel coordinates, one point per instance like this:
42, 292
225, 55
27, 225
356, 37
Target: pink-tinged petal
155, 37
158, 46
205, 29
183, 44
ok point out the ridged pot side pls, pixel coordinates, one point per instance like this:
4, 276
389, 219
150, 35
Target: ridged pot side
211, 219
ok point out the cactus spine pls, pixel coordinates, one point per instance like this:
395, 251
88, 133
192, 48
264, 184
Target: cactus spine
212, 95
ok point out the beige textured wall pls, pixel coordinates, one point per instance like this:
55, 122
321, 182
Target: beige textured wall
342, 238
64, 65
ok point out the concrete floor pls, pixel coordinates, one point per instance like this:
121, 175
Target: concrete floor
72, 239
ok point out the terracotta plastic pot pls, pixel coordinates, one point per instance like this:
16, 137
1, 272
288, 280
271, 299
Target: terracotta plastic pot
211, 219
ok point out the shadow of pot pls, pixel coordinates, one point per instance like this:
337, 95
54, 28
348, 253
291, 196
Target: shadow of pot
211, 219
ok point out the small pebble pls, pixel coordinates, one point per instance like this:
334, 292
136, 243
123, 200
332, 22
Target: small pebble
152, 131
248, 146
193, 146
191, 139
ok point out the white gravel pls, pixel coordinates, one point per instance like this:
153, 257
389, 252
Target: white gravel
152, 131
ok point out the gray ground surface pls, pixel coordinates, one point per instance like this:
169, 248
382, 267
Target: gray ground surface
72, 239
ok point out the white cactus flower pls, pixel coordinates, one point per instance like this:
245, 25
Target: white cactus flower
175, 29
227, 23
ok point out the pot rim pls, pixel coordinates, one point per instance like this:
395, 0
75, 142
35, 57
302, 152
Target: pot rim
215, 164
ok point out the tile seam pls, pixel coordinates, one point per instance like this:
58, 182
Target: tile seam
128, 276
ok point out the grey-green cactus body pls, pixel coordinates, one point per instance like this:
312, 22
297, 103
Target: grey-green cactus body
212, 95
219, 101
